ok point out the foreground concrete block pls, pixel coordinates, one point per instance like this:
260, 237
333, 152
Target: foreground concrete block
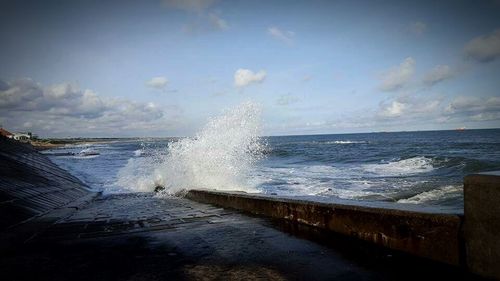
482, 223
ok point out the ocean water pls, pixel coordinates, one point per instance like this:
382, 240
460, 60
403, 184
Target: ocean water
419, 168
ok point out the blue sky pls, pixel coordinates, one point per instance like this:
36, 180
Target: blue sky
161, 68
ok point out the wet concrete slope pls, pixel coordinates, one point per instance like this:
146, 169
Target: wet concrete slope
31, 185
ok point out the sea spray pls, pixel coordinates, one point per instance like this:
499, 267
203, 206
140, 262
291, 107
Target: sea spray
220, 156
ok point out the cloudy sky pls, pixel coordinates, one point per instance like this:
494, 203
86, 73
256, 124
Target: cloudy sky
161, 68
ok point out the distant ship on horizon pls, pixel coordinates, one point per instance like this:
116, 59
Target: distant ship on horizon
460, 129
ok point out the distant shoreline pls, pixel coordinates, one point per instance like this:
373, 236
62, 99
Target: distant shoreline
44, 144
57, 143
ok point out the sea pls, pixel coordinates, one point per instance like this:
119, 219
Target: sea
423, 168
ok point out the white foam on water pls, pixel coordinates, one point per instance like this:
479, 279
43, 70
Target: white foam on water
342, 181
314, 180
219, 157
138, 152
432, 195
344, 142
84, 156
412, 165
331, 142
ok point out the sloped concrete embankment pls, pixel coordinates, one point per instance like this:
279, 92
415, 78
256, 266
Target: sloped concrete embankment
35, 190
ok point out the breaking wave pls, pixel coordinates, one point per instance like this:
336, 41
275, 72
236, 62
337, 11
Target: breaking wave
219, 157
433, 195
412, 165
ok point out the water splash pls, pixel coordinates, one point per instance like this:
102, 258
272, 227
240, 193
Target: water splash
219, 157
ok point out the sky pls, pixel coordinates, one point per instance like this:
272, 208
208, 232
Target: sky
163, 67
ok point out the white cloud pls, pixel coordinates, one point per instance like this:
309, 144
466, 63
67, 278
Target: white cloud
218, 22
19, 93
426, 107
394, 109
438, 74
484, 48
461, 109
417, 28
486, 116
405, 113
159, 83
284, 36
406, 107
244, 77
473, 104
189, 5
61, 91
473, 109
397, 77
64, 109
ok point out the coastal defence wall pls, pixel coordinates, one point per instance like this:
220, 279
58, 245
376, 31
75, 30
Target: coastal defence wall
35, 193
471, 240
33, 188
433, 236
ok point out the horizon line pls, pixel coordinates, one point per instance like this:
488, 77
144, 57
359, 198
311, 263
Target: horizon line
290, 135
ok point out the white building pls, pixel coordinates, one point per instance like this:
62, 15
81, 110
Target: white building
23, 137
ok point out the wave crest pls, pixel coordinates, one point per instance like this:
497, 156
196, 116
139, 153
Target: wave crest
414, 165
219, 157
432, 195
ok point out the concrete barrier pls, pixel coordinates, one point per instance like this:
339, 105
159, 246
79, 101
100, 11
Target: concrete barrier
433, 236
482, 223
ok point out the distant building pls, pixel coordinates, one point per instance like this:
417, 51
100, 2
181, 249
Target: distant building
20, 136
6, 133
23, 137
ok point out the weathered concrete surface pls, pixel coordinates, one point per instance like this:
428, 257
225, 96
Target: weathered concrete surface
142, 237
433, 236
482, 223
31, 185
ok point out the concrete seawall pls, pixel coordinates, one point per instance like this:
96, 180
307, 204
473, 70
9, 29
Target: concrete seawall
470, 240
433, 236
